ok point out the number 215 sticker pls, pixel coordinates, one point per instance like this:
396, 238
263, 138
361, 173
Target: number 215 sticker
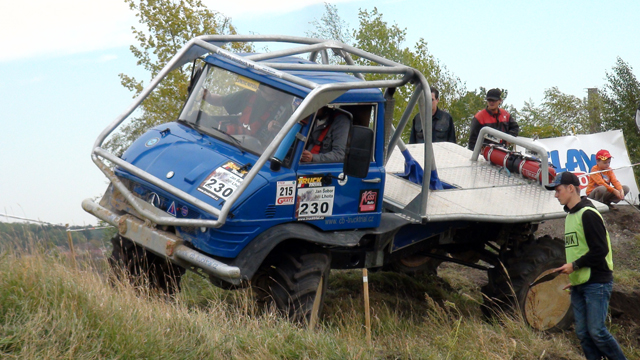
285, 192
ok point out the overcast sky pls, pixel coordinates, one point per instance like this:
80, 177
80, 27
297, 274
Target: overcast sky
59, 66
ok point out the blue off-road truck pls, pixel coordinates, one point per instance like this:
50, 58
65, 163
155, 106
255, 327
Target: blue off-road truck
222, 190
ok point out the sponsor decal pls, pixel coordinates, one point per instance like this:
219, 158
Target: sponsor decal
349, 220
308, 181
368, 200
247, 83
223, 181
172, 209
151, 142
285, 192
315, 203
571, 240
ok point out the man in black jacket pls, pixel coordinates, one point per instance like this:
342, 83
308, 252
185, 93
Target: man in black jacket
590, 268
441, 124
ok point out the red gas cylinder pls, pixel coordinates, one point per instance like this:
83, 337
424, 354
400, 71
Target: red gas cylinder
515, 162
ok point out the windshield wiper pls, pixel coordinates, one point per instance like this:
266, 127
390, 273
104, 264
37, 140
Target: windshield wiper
203, 129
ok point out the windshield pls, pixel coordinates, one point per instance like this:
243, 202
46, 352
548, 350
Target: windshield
237, 109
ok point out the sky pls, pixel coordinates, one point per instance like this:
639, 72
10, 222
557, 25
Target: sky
59, 66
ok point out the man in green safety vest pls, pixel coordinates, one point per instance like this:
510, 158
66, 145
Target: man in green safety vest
589, 266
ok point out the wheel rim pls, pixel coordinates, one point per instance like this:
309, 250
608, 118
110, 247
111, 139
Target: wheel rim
546, 304
413, 261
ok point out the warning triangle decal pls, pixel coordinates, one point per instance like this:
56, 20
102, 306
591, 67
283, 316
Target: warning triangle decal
172, 209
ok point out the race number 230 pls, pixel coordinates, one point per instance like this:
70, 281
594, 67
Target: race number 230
219, 188
315, 208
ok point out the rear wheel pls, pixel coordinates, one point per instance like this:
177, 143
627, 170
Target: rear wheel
544, 306
289, 279
142, 268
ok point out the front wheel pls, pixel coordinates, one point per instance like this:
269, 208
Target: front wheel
289, 279
545, 306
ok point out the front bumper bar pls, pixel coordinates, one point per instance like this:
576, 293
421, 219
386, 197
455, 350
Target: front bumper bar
163, 243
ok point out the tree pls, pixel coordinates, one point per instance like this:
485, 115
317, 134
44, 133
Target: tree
167, 25
330, 26
463, 109
621, 95
377, 37
559, 114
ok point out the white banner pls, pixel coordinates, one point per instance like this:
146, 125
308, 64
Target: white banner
578, 155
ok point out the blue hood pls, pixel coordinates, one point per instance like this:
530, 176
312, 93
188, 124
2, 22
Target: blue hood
185, 159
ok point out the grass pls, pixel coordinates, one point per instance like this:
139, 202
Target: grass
48, 309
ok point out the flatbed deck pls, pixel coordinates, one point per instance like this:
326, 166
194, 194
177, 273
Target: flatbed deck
483, 192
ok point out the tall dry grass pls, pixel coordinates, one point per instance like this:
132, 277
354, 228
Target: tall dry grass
50, 310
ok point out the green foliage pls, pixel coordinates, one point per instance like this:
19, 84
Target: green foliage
621, 95
463, 109
559, 115
330, 26
22, 236
378, 37
167, 25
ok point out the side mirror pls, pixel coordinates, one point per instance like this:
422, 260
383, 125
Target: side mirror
358, 152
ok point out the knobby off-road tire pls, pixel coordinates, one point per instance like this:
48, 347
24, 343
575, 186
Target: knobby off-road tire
142, 268
289, 279
544, 306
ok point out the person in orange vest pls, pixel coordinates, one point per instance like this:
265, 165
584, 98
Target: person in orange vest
603, 185
328, 139
494, 117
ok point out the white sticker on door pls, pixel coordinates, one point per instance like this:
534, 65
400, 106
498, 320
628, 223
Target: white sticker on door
285, 192
315, 203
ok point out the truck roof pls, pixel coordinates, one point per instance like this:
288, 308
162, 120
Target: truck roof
318, 77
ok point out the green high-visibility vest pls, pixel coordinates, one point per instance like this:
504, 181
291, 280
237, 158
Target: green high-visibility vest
575, 245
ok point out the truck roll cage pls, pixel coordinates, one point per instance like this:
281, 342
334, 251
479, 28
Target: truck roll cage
318, 96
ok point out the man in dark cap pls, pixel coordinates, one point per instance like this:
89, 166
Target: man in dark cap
442, 128
589, 266
492, 116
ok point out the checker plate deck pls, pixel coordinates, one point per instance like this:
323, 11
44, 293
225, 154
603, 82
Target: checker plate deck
484, 192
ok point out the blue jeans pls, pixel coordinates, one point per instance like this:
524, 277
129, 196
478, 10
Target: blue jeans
590, 303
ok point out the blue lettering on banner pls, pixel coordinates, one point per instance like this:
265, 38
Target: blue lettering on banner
575, 159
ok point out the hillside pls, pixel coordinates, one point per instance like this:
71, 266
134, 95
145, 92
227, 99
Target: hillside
50, 310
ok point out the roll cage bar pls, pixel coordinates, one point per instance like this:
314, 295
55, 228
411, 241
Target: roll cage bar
318, 96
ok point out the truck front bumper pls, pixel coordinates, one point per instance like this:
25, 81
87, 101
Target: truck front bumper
163, 243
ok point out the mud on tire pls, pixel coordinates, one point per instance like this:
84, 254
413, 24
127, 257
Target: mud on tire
289, 279
544, 306
142, 268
